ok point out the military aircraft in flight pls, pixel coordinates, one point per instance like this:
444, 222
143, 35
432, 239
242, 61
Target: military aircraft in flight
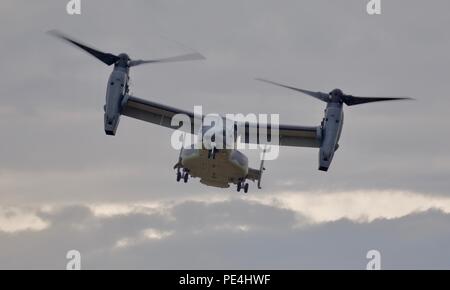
219, 166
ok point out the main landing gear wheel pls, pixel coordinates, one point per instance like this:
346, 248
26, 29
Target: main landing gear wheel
178, 176
186, 177
242, 185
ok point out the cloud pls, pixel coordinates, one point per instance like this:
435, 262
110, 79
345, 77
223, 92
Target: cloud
358, 206
316, 206
14, 220
237, 234
147, 234
64, 184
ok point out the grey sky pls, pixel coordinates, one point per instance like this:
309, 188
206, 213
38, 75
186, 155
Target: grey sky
57, 166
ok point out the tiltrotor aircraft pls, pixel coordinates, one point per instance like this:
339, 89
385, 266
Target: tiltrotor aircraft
218, 167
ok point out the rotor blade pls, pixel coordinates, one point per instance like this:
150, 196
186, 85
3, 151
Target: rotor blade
318, 95
184, 57
350, 100
106, 58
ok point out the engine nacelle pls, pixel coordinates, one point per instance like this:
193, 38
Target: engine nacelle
331, 132
115, 96
111, 120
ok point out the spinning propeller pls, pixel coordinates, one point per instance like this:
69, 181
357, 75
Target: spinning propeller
110, 59
337, 95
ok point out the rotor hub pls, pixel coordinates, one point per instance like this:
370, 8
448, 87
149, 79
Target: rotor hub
123, 60
336, 95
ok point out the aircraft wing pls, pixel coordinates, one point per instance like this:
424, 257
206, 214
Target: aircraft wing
152, 112
289, 135
253, 174
299, 136
155, 113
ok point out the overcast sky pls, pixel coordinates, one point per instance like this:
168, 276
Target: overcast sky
65, 185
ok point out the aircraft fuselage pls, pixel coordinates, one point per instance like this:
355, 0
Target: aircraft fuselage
229, 166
